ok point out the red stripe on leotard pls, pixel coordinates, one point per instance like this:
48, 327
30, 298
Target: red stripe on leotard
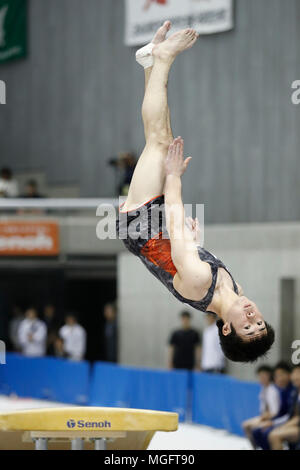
158, 251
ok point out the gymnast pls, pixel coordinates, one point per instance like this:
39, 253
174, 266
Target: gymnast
171, 252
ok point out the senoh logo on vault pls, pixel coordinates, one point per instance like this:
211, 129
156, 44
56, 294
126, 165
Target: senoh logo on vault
83, 424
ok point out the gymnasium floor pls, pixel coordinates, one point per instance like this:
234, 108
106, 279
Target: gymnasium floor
188, 436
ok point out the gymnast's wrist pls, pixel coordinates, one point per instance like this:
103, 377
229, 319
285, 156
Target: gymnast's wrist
173, 176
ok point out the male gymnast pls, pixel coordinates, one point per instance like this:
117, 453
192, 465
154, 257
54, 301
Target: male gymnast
192, 274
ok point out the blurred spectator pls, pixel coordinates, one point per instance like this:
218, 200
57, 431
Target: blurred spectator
290, 431
184, 346
282, 379
31, 190
74, 338
49, 317
111, 333
8, 185
212, 357
126, 162
32, 334
269, 402
13, 328
58, 348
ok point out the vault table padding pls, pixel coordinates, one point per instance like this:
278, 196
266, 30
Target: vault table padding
123, 428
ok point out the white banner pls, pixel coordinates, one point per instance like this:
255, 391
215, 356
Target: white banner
143, 17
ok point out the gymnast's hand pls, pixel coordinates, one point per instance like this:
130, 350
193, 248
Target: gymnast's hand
175, 164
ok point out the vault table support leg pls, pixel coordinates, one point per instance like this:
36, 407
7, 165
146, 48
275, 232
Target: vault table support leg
77, 444
100, 444
41, 444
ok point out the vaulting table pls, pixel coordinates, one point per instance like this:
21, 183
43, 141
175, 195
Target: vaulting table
83, 427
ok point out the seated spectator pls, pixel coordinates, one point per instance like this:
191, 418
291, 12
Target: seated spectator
212, 357
31, 190
184, 346
282, 379
32, 334
269, 402
290, 431
8, 185
74, 338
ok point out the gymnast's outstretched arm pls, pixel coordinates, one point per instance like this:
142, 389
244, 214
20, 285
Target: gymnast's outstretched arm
175, 214
192, 273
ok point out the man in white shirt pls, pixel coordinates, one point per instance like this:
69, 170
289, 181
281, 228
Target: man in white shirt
74, 338
32, 334
8, 186
289, 432
269, 403
212, 357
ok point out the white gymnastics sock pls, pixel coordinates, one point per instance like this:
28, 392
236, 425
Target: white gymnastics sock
144, 56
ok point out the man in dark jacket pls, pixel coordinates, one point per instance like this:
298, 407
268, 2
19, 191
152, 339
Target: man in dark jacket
184, 352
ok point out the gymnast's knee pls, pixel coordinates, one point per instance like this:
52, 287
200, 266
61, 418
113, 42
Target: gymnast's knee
159, 137
273, 437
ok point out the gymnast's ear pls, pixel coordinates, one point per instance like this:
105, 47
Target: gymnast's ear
226, 329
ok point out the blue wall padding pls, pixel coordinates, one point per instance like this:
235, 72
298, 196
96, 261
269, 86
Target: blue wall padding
223, 402
218, 401
45, 378
131, 387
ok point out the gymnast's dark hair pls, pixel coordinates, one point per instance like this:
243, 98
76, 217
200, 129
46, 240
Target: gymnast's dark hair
238, 350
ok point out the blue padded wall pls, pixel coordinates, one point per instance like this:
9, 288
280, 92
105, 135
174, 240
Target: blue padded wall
45, 378
218, 401
223, 402
130, 387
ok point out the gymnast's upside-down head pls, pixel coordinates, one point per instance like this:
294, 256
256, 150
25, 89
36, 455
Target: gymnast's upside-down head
245, 335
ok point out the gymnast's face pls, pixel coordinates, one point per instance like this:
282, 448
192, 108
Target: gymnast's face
246, 319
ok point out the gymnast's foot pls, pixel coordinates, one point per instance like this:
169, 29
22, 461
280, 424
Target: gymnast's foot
175, 44
144, 55
162, 32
